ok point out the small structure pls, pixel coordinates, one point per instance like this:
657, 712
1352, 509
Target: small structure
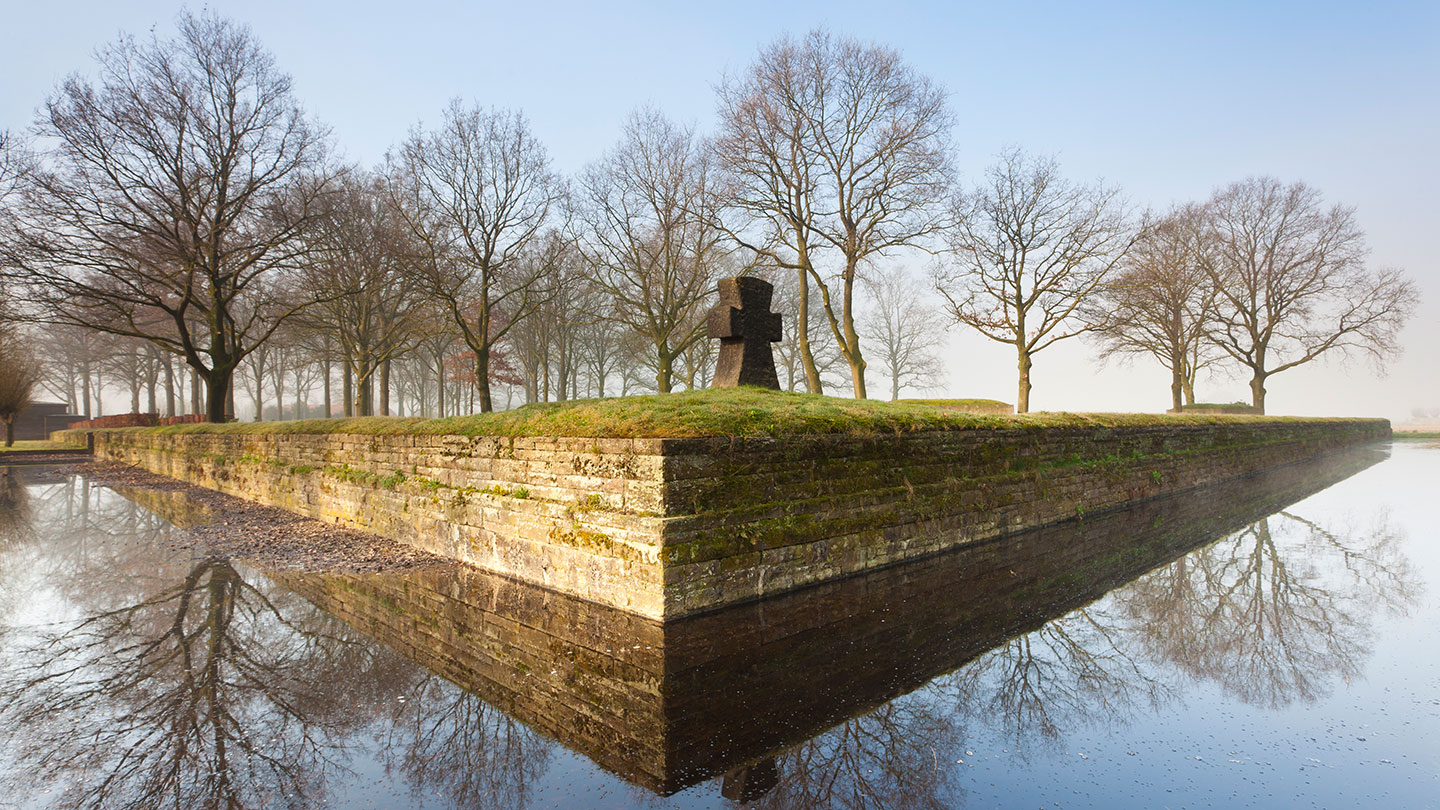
38, 419
746, 327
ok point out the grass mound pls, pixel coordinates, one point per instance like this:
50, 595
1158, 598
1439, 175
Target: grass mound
972, 405
715, 412
1220, 407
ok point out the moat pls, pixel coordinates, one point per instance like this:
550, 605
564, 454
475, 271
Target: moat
1266, 642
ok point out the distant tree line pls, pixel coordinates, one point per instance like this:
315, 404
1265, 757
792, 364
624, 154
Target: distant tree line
183, 231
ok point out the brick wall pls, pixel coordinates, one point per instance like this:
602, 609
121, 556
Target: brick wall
671, 527
124, 420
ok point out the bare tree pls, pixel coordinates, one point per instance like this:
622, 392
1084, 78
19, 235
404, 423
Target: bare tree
1161, 302
175, 188
647, 209
364, 271
478, 192
906, 332
16, 165
833, 146
74, 357
1293, 285
19, 376
436, 341
546, 345
1029, 247
815, 342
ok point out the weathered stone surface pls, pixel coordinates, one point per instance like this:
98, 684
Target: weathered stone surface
671, 527
669, 705
746, 327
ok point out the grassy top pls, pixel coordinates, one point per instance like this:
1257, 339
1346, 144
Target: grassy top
1417, 434
1238, 407
33, 445
716, 412
960, 404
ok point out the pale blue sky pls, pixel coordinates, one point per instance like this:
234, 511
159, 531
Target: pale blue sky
1167, 100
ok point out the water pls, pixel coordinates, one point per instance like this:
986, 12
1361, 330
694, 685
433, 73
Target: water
1269, 643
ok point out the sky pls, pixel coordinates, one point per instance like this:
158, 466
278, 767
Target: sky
1166, 100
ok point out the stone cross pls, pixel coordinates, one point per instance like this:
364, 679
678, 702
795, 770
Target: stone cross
746, 327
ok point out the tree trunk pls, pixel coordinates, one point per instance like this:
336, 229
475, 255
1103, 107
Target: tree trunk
852, 338
217, 394
151, 406
259, 391
347, 386
482, 381
857, 371
325, 370
1022, 397
9, 431
1257, 392
440, 385
664, 373
802, 337
385, 387
365, 389
1177, 388
169, 386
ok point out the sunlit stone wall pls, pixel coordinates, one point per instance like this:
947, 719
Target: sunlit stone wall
671, 527
577, 515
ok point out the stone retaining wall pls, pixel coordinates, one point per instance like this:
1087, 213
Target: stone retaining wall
672, 527
669, 705
577, 515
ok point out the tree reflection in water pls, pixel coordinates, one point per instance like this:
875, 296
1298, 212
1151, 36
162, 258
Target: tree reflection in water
204, 685
15, 533
1077, 670
201, 694
897, 756
449, 742
1277, 612
1274, 613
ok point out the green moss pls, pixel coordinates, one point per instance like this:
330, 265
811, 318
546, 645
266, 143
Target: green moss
717, 412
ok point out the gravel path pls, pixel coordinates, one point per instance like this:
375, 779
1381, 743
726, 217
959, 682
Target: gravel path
218, 524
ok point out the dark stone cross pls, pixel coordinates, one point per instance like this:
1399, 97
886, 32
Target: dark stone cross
746, 327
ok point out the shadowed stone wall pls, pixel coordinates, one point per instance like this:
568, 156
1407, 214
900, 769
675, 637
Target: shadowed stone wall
672, 527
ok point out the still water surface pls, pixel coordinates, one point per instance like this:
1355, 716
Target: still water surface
1268, 643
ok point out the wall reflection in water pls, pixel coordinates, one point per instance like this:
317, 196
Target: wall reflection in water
204, 683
